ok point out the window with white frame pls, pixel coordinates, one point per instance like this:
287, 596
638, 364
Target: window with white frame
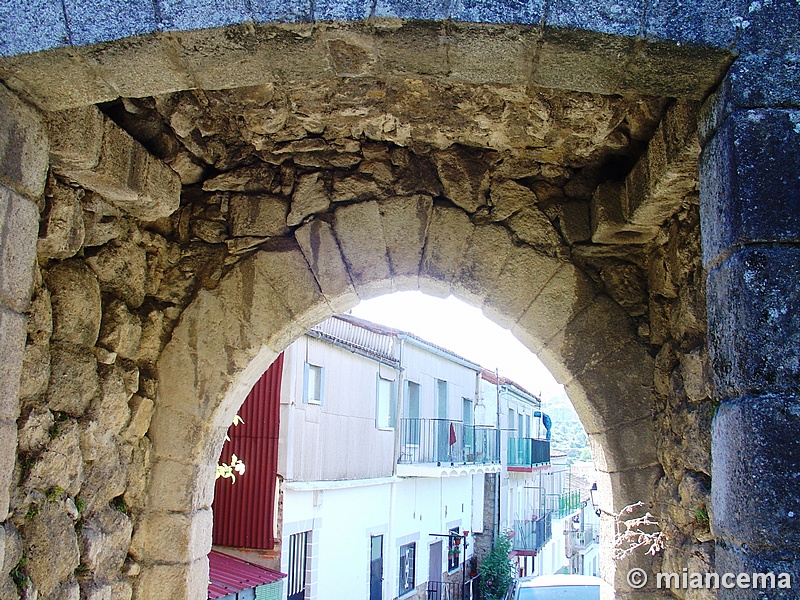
386, 401
313, 384
407, 563
411, 413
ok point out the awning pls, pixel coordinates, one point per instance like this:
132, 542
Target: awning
229, 575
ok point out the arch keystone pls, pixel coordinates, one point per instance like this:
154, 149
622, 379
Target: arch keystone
359, 230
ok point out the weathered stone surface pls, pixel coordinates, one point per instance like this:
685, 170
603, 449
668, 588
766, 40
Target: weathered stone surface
120, 330
23, 147
695, 374
101, 221
744, 201
752, 321
61, 233
464, 177
533, 227
12, 345
162, 534
105, 474
257, 215
121, 269
509, 197
35, 373
321, 249
34, 429
749, 432
449, 233
75, 298
103, 540
76, 137
365, 255
173, 581
51, 528
110, 409
40, 316
141, 411
405, 225
155, 329
310, 196
18, 227
251, 179
73, 378
521, 279
484, 258
60, 464
575, 222
347, 188
563, 296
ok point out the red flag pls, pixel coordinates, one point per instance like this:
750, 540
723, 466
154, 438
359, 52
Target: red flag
452, 434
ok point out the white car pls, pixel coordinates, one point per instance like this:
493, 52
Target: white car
556, 587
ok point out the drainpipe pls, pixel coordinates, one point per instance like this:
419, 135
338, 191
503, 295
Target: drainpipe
497, 494
399, 409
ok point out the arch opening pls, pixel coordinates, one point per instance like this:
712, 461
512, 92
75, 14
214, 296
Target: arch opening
374, 205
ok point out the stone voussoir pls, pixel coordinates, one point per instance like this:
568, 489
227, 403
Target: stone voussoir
116, 166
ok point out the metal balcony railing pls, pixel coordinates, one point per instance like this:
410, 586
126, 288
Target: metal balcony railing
533, 534
441, 441
578, 540
567, 502
442, 590
588, 536
528, 452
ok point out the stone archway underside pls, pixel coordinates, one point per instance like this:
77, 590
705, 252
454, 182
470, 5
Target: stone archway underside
568, 216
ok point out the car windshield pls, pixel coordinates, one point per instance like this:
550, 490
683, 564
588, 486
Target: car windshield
561, 592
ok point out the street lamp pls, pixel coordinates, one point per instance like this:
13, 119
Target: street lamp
594, 496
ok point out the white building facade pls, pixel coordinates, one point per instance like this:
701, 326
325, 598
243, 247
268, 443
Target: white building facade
381, 464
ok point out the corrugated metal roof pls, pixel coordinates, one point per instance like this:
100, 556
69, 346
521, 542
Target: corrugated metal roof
229, 575
369, 338
243, 511
376, 339
492, 377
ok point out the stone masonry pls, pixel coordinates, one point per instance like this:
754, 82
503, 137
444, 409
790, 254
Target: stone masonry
239, 183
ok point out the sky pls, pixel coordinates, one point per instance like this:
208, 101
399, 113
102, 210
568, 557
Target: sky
463, 329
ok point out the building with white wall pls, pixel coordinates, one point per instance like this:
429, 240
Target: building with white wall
382, 454
381, 463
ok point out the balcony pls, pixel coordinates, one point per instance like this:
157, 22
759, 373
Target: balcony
568, 502
440, 447
526, 454
530, 536
578, 541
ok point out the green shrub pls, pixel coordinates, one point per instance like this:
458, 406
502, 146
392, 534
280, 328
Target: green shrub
496, 570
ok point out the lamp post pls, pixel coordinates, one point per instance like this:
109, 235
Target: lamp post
593, 495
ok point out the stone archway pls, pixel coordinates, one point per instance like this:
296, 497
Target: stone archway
749, 124
228, 336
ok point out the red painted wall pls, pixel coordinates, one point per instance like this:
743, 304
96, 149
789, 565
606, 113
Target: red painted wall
244, 511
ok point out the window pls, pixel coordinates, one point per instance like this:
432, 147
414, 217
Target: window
411, 413
469, 430
407, 564
313, 384
453, 549
441, 399
298, 553
387, 400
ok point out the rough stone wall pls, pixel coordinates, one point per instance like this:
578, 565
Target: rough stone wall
95, 327
119, 259
485, 540
685, 405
